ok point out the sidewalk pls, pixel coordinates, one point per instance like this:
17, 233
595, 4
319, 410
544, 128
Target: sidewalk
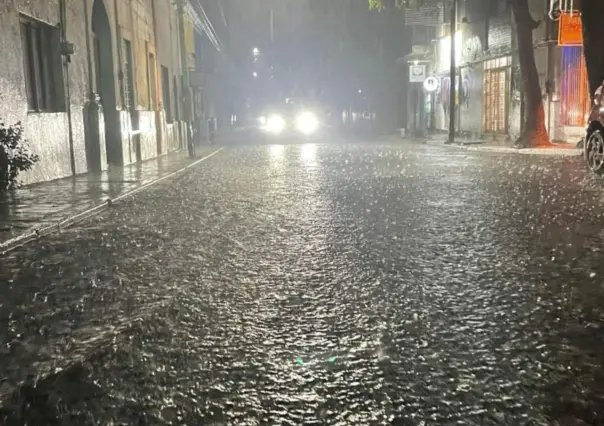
557, 149
37, 209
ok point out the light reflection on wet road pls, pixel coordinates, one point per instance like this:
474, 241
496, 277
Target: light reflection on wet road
320, 284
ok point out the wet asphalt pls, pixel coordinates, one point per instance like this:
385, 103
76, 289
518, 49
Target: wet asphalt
319, 284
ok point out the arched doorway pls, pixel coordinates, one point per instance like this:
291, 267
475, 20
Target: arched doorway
105, 81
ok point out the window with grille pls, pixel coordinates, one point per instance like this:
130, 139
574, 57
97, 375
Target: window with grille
42, 66
575, 93
496, 85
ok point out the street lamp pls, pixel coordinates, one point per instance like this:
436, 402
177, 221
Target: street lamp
255, 51
255, 74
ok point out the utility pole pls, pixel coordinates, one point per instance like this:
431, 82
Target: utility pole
186, 100
453, 73
272, 25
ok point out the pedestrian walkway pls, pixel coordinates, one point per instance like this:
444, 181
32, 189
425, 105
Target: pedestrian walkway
560, 150
32, 210
556, 149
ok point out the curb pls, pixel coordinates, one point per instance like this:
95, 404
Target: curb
470, 146
551, 152
29, 236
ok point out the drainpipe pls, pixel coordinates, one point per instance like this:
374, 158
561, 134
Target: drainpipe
186, 90
183, 47
159, 93
120, 59
94, 152
67, 50
133, 114
133, 52
120, 73
89, 52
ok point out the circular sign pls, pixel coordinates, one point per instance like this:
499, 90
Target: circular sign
431, 84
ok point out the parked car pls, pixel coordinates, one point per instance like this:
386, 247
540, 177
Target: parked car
593, 147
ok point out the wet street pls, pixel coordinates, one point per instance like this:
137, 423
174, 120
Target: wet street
318, 284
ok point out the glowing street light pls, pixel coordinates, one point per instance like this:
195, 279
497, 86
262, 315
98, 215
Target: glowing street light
255, 51
255, 74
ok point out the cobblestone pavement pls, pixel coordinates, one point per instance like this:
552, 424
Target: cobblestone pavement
361, 284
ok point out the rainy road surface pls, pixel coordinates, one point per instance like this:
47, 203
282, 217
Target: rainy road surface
319, 284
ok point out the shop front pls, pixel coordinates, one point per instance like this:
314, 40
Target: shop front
572, 79
496, 89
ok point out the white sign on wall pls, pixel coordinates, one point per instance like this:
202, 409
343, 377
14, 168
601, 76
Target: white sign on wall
431, 84
417, 73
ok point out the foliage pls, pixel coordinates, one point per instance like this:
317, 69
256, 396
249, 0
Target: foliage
383, 4
376, 4
15, 156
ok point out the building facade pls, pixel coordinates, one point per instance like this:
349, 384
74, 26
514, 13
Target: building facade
489, 101
95, 82
42, 88
569, 99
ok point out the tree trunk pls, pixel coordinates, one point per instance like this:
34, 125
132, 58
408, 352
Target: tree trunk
534, 133
592, 15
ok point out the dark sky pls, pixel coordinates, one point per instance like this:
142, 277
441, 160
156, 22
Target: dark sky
333, 47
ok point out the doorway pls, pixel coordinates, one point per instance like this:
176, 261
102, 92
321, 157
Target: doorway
497, 74
105, 81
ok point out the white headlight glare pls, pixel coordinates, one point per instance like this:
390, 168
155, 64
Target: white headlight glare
307, 123
262, 120
275, 124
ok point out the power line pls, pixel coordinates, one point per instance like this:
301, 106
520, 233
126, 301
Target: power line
201, 23
209, 26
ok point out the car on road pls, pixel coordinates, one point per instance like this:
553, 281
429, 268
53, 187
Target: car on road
594, 137
292, 118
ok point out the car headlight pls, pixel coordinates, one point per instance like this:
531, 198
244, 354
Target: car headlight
307, 123
262, 120
275, 124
